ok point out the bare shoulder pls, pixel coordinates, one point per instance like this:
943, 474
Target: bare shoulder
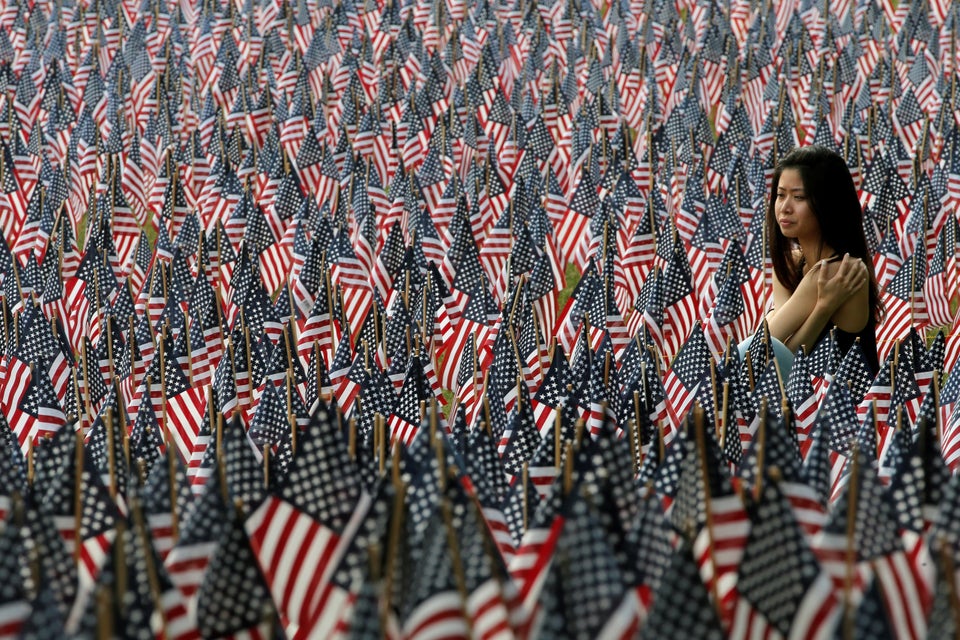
831, 268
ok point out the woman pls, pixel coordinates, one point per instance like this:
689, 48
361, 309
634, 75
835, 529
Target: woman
823, 274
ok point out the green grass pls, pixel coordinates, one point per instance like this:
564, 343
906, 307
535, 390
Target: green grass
572, 277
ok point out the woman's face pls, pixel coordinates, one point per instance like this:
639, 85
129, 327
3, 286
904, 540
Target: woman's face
794, 214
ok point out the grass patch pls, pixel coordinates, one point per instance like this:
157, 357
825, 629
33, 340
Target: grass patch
572, 277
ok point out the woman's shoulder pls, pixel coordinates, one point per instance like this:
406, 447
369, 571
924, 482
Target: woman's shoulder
833, 263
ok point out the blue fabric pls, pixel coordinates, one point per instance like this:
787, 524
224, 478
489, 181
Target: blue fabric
781, 354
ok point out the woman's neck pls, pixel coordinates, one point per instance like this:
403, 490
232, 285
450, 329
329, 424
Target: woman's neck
814, 250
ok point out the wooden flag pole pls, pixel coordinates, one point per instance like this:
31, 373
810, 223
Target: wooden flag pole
558, 439
698, 421
516, 351
376, 444
111, 461
384, 443
636, 437
949, 571
78, 494
893, 368
850, 556
457, 561
434, 419
936, 408
291, 418
606, 368
352, 438
266, 464
172, 483
319, 378
486, 402
536, 337
394, 535
87, 408
104, 613
525, 483
722, 419
761, 447
152, 578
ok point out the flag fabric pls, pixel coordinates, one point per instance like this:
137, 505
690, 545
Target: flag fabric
244, 247
305, 502
15, 606
234, 598
682, 604
199, 532
808, 603
685, 375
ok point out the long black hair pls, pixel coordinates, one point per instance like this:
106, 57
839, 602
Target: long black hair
833, 199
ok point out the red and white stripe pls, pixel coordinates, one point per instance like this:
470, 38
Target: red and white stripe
816, 617
177, 623
678, 321
531, 564
831, 551
187, 564
500, 531
719, 549
93, 553
439, 616
184, 416
401, 430
296, 553
903, 593
12, 616
298, 556
807, 509
488, 610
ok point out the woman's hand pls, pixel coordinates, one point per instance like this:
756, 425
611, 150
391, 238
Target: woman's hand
833, 290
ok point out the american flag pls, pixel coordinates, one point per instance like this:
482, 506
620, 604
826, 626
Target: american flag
584, 569
781, 586
99, 518
803, 401
321, 494
200, 529
15, 605
679, 301
234, 597
686, 373
682, 604
315, 163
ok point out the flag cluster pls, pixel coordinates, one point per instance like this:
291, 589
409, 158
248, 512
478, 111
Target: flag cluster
287, 348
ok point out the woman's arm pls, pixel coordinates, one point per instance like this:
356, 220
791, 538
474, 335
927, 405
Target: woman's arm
842, 297
852, 279
791, 309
